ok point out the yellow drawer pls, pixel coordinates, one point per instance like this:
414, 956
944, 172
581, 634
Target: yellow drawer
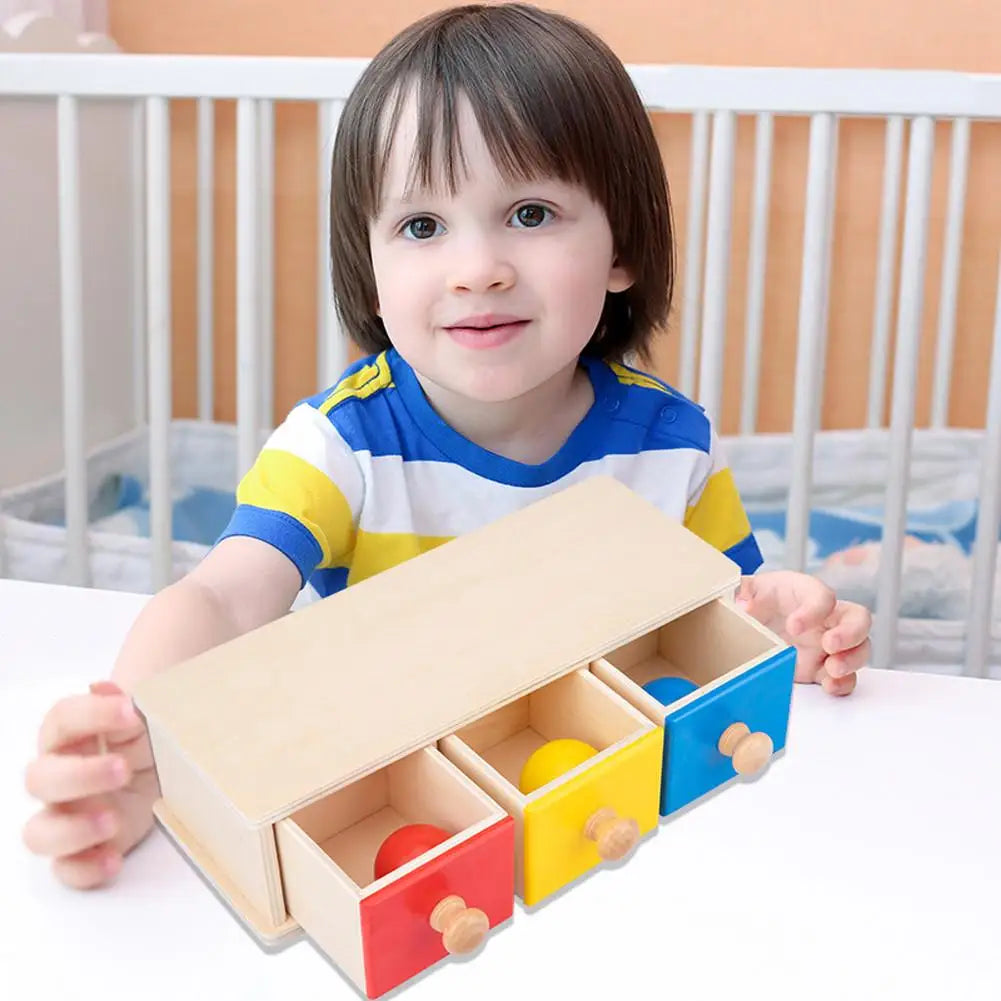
595, 811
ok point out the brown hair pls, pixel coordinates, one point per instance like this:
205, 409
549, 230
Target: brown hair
552, 100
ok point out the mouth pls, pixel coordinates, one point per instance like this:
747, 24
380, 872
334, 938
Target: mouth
486, 331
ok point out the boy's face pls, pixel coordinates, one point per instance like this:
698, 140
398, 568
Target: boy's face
496, 290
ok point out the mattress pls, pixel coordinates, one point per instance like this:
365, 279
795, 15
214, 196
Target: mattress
844, 545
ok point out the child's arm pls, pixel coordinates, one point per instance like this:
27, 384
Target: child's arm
241, 584
97, 803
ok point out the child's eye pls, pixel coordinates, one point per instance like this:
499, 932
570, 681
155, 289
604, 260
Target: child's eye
420, 228
531, 216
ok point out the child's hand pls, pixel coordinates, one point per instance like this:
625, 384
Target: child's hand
831, 637
98, 803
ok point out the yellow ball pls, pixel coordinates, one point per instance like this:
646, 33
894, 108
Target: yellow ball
551, 760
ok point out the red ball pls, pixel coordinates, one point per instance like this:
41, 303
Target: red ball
406, 843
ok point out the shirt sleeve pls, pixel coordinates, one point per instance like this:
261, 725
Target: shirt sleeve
716, 513
303, 494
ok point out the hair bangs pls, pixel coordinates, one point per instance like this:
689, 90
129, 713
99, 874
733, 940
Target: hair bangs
522, 143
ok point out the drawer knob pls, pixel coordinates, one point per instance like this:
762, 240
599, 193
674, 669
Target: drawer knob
462, 928
615, 836
750, 751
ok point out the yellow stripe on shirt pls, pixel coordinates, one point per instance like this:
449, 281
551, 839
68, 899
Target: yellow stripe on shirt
280, 481
378, 551
630, 378
367, 380
718, 515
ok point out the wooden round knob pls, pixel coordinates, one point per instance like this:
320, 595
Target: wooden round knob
750, 751
462, 928
615, 836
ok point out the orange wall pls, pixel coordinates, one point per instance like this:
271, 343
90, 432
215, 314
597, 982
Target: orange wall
894, 33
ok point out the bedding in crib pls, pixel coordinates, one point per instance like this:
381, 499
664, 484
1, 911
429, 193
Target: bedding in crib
850, 471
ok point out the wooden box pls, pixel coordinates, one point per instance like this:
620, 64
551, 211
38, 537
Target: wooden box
286, 756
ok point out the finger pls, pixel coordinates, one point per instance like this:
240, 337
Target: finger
837, 686
850, 626
849, 661
105, 688
809, 662
62, 778
756, 600
88, 869
816, 603
84, 716
58, 832
137, 753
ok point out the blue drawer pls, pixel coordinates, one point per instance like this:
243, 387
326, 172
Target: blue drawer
739, 679
693, 762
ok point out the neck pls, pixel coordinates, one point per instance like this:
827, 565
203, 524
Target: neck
530, 428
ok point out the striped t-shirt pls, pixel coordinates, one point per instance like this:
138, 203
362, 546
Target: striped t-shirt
366, 475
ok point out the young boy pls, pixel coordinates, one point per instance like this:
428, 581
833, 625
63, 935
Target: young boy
501, 241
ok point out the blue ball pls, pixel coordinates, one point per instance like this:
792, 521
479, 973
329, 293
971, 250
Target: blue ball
667, 690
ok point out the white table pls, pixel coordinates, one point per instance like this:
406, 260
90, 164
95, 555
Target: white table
865, 863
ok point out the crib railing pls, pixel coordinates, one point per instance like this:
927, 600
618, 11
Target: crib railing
714, 96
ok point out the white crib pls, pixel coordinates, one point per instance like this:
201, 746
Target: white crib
887, 463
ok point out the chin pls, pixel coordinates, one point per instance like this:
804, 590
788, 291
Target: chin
493, 392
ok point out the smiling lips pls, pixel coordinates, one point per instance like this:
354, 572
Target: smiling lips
488, 330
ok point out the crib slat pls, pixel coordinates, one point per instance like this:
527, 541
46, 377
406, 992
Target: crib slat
266, 114
694, 249
832, 200
886, 257
71, 316
138, 278
206, 256
717, 263
909, 308
248, 379
950, 272
810, 338
331, 347
158, 327
763, 134
985, 545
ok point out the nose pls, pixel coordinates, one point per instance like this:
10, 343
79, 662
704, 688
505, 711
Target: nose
480, 266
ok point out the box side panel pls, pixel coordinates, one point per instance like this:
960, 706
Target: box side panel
246, 856
260, 925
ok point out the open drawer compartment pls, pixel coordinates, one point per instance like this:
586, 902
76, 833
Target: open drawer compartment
719, 683
576, 766
386, 909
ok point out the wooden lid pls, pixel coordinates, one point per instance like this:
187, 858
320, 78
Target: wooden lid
320, 697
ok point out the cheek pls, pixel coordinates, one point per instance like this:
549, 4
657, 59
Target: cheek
398, 288
578, 286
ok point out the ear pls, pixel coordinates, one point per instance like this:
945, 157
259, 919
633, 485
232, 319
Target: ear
619, 278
